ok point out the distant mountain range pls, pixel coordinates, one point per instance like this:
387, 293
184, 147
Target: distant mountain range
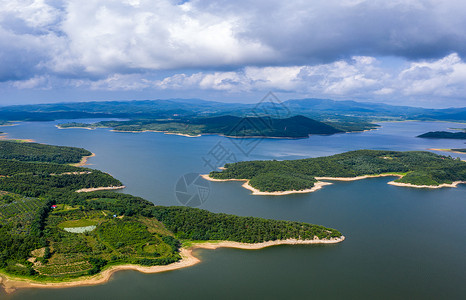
343, 113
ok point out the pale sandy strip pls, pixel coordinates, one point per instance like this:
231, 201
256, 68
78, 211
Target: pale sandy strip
188, 259
103, 188
83, 161
318, 185
165, 132
88, 128
4, 137
453, 184
446, 150
357, 177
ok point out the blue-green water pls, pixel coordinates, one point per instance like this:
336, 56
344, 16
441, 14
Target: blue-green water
401, 243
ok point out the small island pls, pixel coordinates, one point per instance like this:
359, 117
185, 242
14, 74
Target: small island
62, 225
443, 135
414, 169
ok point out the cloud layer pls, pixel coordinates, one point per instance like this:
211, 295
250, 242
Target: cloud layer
332, 48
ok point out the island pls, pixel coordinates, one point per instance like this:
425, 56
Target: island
443, 135
62, 225
231, 126
414, 169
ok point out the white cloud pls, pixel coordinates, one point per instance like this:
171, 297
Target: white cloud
329, 48
40, 82
443, 77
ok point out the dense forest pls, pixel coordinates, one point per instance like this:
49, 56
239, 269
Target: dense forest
197, 224
40, 152
443, 135
419, 168
293, 127
50, 232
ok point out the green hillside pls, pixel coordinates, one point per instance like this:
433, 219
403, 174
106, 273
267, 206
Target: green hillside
41, 153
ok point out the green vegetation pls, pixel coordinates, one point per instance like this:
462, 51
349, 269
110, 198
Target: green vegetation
294, 127
443, 135
41, 152
39, 205
419, 168
197, 224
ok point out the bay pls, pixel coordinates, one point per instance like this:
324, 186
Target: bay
401, 242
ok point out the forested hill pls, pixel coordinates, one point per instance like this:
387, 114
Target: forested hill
50, 232
418, 168
444, 135
293, 127
41, 153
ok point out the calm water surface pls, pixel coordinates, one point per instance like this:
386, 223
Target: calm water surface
401, 243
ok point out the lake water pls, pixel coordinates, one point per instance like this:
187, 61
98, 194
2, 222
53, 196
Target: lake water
401, 243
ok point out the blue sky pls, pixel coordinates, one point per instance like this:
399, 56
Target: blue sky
408, 52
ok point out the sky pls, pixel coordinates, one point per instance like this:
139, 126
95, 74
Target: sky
400, 52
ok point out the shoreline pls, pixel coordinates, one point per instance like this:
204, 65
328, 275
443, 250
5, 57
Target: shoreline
320, 184
317, 186
83, 161
446, 150
452, 185
88, 128
11, 284
4, 137
159, 131
102, 188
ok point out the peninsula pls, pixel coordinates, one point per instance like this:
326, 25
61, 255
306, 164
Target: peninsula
414, 169
232, 126
59, 228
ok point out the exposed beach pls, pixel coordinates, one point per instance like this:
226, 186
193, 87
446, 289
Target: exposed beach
453, 184
83, 161
446, 150
319, 184
103, 188
159, 131
11, 284
88, 128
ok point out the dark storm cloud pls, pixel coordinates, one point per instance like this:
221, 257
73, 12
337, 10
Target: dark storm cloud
324, 48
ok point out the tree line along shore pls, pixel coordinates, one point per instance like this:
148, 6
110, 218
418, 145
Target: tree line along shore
414, 168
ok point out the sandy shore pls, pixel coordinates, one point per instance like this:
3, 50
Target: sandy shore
83, 161
4, 137
88, 128
453, 184
446, 150
358, 177
159, 131
319, 184
188, 259
103, 188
